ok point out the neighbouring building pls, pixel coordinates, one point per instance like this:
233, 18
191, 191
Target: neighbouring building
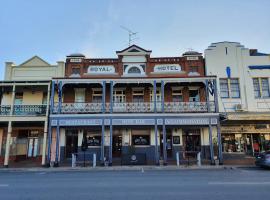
134, 109
243, 81
25, 94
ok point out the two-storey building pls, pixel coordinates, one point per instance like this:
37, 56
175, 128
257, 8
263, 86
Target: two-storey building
243, 79
134, 108
24, 111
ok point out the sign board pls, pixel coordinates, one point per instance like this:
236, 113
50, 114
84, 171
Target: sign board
124, 122
101, 69
192, 58
75, 60
167, 68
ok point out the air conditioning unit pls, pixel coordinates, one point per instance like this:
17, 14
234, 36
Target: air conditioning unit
239, 107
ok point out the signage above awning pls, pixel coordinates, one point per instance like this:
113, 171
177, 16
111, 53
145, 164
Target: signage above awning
101, 69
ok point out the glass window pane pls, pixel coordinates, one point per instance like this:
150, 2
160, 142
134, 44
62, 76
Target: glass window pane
235, 89
224, 89
265, 87
256, 86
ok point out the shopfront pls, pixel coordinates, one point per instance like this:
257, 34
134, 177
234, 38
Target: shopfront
248, 139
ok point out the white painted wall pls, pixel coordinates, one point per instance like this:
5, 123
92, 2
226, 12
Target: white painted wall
238, 59
34, 69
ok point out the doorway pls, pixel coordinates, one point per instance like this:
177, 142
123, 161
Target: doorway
168, 144
192, 142
117, 146
32, 150
71, 143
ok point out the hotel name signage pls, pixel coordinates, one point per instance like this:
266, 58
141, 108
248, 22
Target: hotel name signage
167, 68
101, 69
123, 122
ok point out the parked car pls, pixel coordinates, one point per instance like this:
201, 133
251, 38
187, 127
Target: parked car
263, 159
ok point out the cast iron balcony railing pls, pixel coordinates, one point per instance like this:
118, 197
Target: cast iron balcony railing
29, 110
5, 110
133, 107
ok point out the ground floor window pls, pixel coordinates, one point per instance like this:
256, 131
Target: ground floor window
140, 140
249, 143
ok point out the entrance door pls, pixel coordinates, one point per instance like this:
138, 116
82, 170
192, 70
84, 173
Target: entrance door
117, 145
71, 143
168, 145
192, 142
32, 147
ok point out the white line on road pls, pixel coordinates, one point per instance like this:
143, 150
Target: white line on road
238, 183
4, 185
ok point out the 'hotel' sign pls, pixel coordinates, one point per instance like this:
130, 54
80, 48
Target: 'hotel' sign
168, 68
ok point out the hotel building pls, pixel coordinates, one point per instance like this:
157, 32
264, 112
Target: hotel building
134, 109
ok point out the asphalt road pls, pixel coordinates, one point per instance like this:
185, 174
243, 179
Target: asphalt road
207, 184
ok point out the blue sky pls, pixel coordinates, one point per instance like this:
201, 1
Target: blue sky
53, 29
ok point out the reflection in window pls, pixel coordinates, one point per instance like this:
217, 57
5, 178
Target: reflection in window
141, 139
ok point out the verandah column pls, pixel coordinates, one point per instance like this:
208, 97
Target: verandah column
210, 123
111, 126
103, 124
50, 127
58, 127
220, 156
7, 149
8, 144
164, 137
156, 127
43, 160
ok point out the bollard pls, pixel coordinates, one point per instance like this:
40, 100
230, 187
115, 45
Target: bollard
177, 159
73, 162
199, 162
94, 160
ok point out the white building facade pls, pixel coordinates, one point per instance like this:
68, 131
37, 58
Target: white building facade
243, 82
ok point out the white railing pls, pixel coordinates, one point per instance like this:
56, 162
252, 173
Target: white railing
133, 107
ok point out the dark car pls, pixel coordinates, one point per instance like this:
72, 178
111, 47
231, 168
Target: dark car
263, 159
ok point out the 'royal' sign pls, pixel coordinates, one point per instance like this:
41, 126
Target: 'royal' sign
168, 68
102, 69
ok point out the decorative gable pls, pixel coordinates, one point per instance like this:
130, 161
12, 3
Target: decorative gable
35, 62
133, 50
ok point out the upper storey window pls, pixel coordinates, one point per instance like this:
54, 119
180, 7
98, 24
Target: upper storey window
229, 88
261, 87
134, 69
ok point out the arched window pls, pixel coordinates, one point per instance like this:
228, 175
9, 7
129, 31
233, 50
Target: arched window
134, 70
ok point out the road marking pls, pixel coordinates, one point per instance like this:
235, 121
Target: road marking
238, 183
4, 185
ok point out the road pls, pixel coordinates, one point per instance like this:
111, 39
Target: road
210, 184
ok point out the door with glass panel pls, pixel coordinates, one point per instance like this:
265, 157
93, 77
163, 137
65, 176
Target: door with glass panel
119, 100
32, 147
79, 98
158, 99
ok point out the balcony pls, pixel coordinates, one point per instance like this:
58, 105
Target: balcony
29, 110
24, 110
132, 107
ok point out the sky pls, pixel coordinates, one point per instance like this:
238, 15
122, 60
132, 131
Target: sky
53, 29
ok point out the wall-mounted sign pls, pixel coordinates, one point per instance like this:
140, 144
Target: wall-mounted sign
192, 58
167, 68
124, 122
75, 60
102, 69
